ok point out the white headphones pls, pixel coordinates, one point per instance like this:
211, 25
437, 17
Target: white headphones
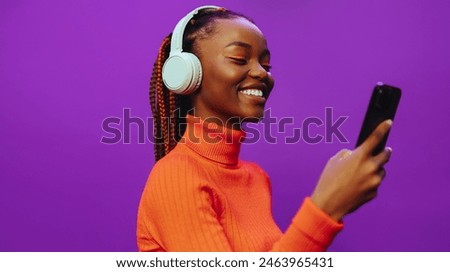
182, 71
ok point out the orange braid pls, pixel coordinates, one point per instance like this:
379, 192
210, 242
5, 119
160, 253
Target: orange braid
155, 114
157, 101
172, 123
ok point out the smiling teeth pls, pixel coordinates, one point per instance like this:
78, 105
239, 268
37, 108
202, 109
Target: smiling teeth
254, 92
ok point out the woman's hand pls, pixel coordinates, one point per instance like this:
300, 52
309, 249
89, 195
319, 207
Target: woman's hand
351, 178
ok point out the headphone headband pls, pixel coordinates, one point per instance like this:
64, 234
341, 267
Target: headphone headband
182, 71
177, 34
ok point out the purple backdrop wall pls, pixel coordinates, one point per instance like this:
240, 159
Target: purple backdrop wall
65, 66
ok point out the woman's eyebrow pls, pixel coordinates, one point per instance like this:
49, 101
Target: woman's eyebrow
246, 45
239, 43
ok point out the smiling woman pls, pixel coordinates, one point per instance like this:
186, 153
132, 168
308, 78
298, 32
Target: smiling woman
200, 196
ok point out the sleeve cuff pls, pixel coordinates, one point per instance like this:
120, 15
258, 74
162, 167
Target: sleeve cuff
316, 224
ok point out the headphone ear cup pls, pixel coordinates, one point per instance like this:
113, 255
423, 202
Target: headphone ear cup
182, 73
197, 74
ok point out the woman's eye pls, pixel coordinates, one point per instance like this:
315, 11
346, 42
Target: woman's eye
267, 67
243, 61
240, 61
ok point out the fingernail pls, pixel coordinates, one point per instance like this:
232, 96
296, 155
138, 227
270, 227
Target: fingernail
389, 149
389, 122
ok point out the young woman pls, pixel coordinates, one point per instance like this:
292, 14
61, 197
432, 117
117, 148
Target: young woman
200, 196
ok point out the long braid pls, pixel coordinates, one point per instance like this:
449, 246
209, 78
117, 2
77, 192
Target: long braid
163, 117
157, 100
173, 122
155, 113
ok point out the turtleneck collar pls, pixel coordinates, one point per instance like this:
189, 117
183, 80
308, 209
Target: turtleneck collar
212, 141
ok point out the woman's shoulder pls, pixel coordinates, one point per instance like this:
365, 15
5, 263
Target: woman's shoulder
175, 161
179, 166
254, 167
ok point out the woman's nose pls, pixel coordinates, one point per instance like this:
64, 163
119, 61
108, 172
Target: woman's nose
258, 72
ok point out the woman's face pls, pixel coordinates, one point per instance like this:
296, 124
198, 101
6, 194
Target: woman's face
236, 79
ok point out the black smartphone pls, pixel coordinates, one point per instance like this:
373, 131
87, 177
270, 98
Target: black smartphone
382, 106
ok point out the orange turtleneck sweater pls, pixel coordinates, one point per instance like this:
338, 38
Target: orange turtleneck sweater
202, 197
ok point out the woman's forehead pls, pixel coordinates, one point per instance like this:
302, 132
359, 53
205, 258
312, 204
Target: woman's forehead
237, 29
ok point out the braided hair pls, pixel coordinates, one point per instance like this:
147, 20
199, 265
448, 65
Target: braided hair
169, 109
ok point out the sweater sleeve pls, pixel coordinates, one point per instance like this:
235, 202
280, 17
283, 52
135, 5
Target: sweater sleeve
311, 230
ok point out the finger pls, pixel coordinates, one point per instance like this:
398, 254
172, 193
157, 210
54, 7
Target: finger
375, 181
376, 137
381, 173
383, 157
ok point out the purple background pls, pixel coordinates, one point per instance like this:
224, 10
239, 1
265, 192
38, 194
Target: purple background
67, 65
